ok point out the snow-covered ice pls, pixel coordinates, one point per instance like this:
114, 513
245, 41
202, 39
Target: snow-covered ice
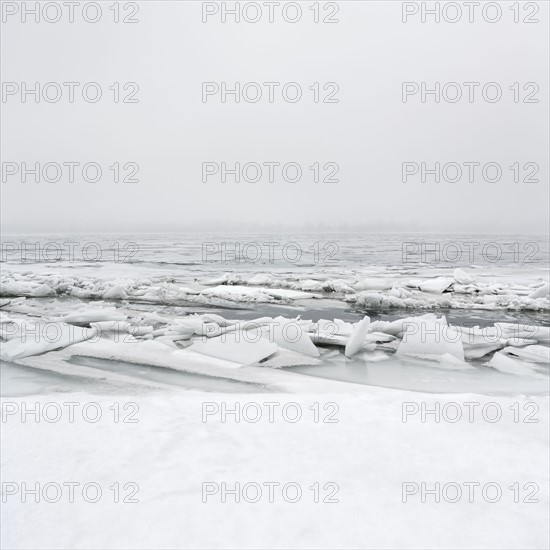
365, 340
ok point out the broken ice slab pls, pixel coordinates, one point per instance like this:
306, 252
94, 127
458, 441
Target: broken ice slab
236, 347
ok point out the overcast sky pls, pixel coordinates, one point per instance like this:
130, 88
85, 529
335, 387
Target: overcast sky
369, 133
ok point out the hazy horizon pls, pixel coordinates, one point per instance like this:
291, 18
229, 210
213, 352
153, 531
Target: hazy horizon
369, 133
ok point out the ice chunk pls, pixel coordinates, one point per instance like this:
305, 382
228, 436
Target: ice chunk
480, 349
41, 338
311, 285
462, 277
478, 342
430, 340
16, 288
378, 338
236, 347
506, 364
335, 332
533, 354
192, 324
167, 341
259, 280
42, 291
121, 326
357, 338
213, 318
338, 285
437, 285
541, 292
288, 334
397, 327
372, 284
512, 330
115, 293
287, 358
286, 294
94, 314
236, 293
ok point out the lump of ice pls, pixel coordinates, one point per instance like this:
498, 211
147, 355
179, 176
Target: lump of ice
378, 338
192, 324
286, 358
94, 314
437, 285
259, 280
117, 292
236, 347
480, 349
42, 291
357, 338
431, 340
121, 327
337, 285
519, 330
541, 292
478, 342
41, 337
461, 277
167, 341
533, 354
288, 334
507, 365
237, 293
399, 326
372, 284
218, 319
336, 332
16, 288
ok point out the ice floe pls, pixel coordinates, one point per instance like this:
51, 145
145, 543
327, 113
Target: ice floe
506, 364
431, 339
40, 338
390, 288
357, 339
236, 347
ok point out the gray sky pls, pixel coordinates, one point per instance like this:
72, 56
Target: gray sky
369, 133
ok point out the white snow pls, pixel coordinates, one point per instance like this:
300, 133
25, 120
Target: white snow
369, 454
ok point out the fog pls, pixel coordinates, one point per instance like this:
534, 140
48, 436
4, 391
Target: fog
367, 135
